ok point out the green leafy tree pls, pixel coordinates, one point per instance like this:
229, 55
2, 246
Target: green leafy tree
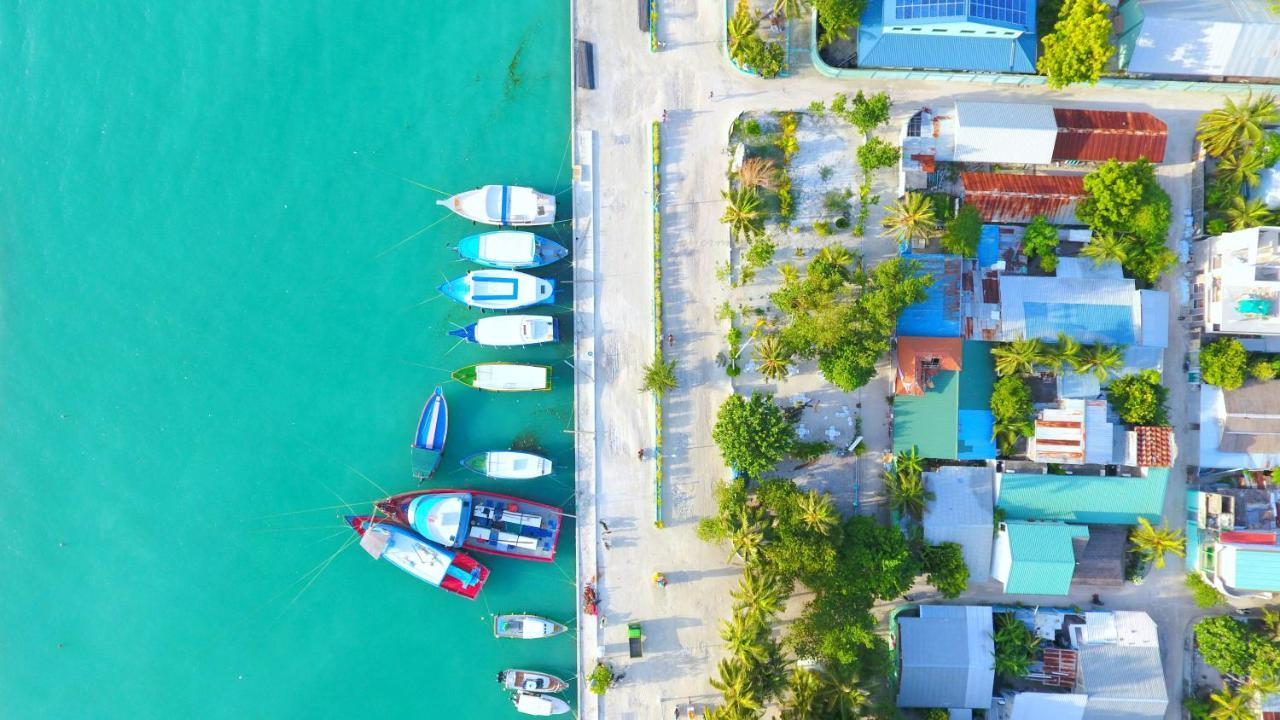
1243, 214
1078, 48
863, 112
1223, 362
1015, 647
906, 492
801, 702
911, 219
1013, 412
747, 48
600, 678
1227, 645
963, 232
1236, 125
1262, 370
1153, 543
876, 153
790, 9
1101, 360
1040, 240
1227, 705
946, 569
1140, 398
1129, 214
659, 376
1018, 357
773, 359
744, 214
753, 435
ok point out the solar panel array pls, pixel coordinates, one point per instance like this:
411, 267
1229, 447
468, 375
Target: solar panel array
1010, 11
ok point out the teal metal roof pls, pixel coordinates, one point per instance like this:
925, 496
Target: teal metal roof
1257, 570
929, 421
981, 35
1084, 498
1042, 557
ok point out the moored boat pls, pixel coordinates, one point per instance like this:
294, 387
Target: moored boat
525, 627
500, 290
508, 464
510, 249
451, 571
531, 681
505, 377
503, 205
428, 441
479, 521
510, 330
534, 704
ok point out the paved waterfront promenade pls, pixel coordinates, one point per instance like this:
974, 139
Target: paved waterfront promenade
702, 94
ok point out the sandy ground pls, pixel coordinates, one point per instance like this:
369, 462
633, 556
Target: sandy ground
702, 94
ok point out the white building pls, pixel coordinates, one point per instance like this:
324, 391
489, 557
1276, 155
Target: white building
1241, 285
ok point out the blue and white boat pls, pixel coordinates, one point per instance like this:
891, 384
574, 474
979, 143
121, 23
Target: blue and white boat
503, 205
428, 442
500, 290
510, 330
510, 249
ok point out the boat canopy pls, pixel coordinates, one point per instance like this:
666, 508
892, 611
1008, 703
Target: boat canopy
442, 518
506, 330
491, 287
502, 376
509, 247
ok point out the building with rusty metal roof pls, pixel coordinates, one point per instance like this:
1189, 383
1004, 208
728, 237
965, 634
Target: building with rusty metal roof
1102, 135
1009, 198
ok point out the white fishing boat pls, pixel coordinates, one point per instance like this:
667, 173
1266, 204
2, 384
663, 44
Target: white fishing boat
510, 330
510, 249
505, 377
534, 704
503, 205
500, 289
508, 465
525, 627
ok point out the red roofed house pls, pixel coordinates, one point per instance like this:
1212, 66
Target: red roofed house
1150, 446
1101, 135
1008, 198
921, 358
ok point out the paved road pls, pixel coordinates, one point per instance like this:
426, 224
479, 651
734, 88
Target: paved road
702, 94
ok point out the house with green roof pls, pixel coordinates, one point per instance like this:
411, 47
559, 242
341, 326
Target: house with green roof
1084, 499
1037, 558
944, 413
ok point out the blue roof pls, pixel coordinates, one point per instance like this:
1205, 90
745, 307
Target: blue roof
989, 246
1257, 569
938, 315
1097, 499
1112, 324
974, 419
949, 50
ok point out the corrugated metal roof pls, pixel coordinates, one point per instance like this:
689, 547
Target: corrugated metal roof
922, 358
1176, 37
928, 422
1048, 706
974, 420
961, 512
947, 657
938, 315
1155, 318
1009, 198
1249, 568
1101, 135
940, 51
1123, 681
1084, 498
1042, 557
1087, 309
1004, 133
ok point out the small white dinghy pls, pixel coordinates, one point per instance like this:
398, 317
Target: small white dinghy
510, 330
503, 205
505, 377
534, 704
508, 465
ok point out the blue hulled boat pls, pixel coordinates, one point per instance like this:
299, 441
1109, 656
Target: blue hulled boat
510, 249
428, 442
500, 289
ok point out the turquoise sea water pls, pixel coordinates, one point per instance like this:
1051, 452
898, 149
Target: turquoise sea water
210, 330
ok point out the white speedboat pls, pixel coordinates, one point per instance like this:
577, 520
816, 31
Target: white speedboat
500, 289
505, 377
503, 205
535, 704
510, 330
508, 465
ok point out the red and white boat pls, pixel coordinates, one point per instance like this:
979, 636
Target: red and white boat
480, 521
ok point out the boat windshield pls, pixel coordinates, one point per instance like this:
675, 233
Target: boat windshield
441, 518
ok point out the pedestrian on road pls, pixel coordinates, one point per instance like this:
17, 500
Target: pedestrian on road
671, 340
640, 454
660, 580
604, 525
664, 116
711, 95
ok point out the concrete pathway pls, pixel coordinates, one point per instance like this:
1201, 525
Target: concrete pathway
702, 94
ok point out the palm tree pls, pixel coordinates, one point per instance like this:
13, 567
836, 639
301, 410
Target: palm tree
744, 214
1236, 124
802, 698
1007, 433
817, 512
909, 461
747, 536
1015, 647
1226, 705
1242, 166
773, 358
911, 219
1271, 619
759, 593
1018, 357
742, 25
1243, 214
1152, 543
790, 8
835, 254
1067, 351
735, 683
1101, 360
757, 172
906, 493
742, 635
842, 692
659, 376
789, 273
1105, 248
